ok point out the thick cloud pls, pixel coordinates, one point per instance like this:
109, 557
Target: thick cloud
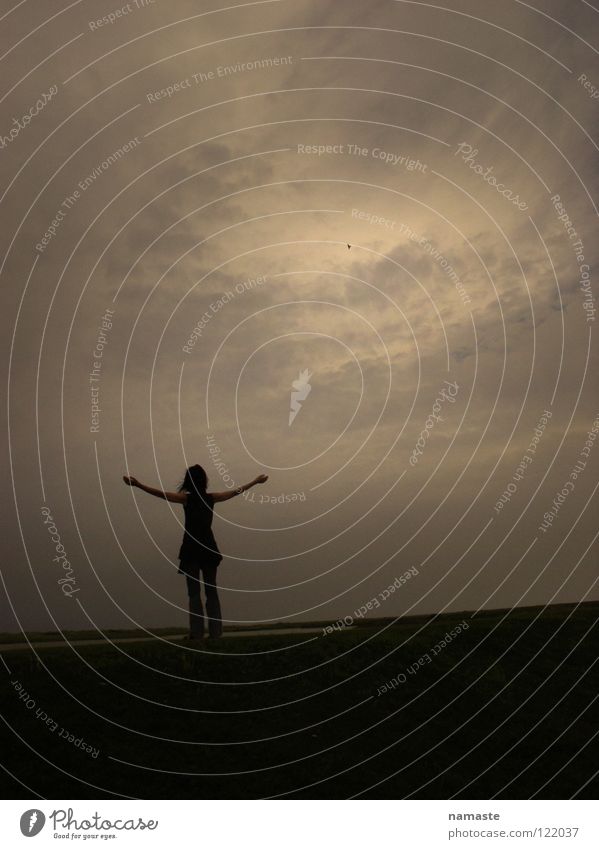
230, 180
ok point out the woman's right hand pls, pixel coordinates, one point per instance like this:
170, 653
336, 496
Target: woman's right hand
261, 478
130, 481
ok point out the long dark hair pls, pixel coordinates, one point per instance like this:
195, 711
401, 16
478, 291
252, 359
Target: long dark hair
195, 480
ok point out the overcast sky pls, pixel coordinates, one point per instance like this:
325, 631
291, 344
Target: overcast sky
224, 161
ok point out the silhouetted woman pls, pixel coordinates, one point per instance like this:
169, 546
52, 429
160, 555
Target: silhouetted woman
199, 551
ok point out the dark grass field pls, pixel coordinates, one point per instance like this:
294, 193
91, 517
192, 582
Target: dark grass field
507, 709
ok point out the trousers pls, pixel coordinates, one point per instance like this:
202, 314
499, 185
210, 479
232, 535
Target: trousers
197, 619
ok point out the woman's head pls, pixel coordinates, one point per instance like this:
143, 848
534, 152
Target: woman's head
195, 479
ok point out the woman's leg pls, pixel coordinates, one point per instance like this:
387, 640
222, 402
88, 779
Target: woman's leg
196, 611
215, 625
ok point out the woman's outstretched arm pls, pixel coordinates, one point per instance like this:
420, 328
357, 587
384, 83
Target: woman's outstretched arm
231, 493
178, 497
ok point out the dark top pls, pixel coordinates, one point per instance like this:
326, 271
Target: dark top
198, 541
